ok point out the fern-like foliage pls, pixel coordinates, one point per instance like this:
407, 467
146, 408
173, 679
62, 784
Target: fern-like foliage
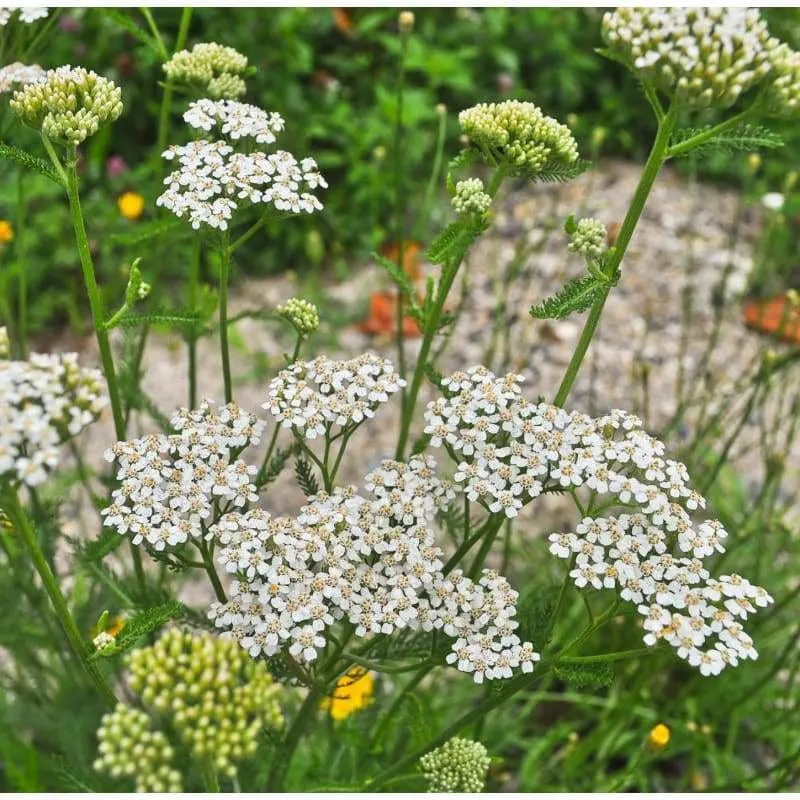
576, 295
124, 21
466, 158
456, 238
591, 675
95, 551
28, 161
743, 137
396, 273
140, 625
562, 173
146, 231
305, 477
275, 466
175, 319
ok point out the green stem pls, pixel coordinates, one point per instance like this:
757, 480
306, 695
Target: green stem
651, 169
210, 778
250, 233
95, 301
689, 144
211, 571
192, 336
396, 669
224, 276
23, 526
151, 23
282, 757
22, 278
486, 546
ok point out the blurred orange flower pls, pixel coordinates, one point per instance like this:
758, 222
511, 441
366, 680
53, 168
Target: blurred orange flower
342, 20
383, 314
776, 316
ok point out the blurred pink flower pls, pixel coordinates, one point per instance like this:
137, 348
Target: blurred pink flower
116, 166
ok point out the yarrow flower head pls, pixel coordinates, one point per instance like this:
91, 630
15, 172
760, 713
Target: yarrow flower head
69, 104
371, 560
46, 400
17, 74
213, 179
700, 56
459, 765
216, 699
26, 14
470, 197
519, 135
589, 238
783, 93
171, 484
301, 314
129, 748
509, 450
211, 67
313, 396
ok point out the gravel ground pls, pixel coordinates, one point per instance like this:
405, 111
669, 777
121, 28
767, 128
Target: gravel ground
690, 236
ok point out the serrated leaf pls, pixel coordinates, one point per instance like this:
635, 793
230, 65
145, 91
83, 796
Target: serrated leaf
455, 239
576, 295
124, 21
465, 158
561, 173
98, 549
611, 55
145, 231
274, 467
182, 319
31, 162
140, 625
396, 273
305, 477
742, 138
593, 675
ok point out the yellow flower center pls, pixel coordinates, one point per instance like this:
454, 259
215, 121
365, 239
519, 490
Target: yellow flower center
131, 205
6, 232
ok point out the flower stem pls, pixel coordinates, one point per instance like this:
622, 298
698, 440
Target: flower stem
210, 778
23, 526
22, 278
655, 160
224, 276
192, 336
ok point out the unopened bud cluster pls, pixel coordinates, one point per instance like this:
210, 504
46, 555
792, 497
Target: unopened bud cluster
129, 748
5, 344
212, 67
783, 94
589, 238
69, 105
302, 314
459, 765
519, 135
216, 698
470, 197
699, 56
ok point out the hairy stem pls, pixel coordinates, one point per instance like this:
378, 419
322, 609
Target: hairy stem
224, 276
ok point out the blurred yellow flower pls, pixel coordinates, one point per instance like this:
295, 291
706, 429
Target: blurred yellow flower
659, 736
6, 232
112, 627
131, 205
353, 693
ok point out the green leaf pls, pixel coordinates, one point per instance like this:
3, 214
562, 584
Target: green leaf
25, 159
124, 21
742, 138
140, 625
180, 319
576, 295
466, 158
275, 466
456, 238
305, 477
595, 675
561, 173
396, 273
98, 549
145, 231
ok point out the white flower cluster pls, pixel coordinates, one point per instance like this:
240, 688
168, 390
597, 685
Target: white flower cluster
372, 561
508, 450
519, 135
459, 765
235, 120
700, 56
214, 68
783, 93
589, 238
45, 401
213, 179
470, 197
68, 104
19, 74
313, 396
26, 14
173, 485
129, 748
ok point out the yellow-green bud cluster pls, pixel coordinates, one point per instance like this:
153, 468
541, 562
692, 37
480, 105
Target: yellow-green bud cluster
589, 238
519, 135
212, 67
783, 93
459, 765
216, 698
699, 56
5, 344
302, 314
128, 748
69, 105
470, 197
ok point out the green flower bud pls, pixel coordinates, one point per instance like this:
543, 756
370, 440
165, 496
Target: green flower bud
519, 135
211, 67
470, 198
302, 315
459, 765
69, 105
783, 93
589, 238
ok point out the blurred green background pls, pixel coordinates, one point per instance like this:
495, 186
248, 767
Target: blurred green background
332, 74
